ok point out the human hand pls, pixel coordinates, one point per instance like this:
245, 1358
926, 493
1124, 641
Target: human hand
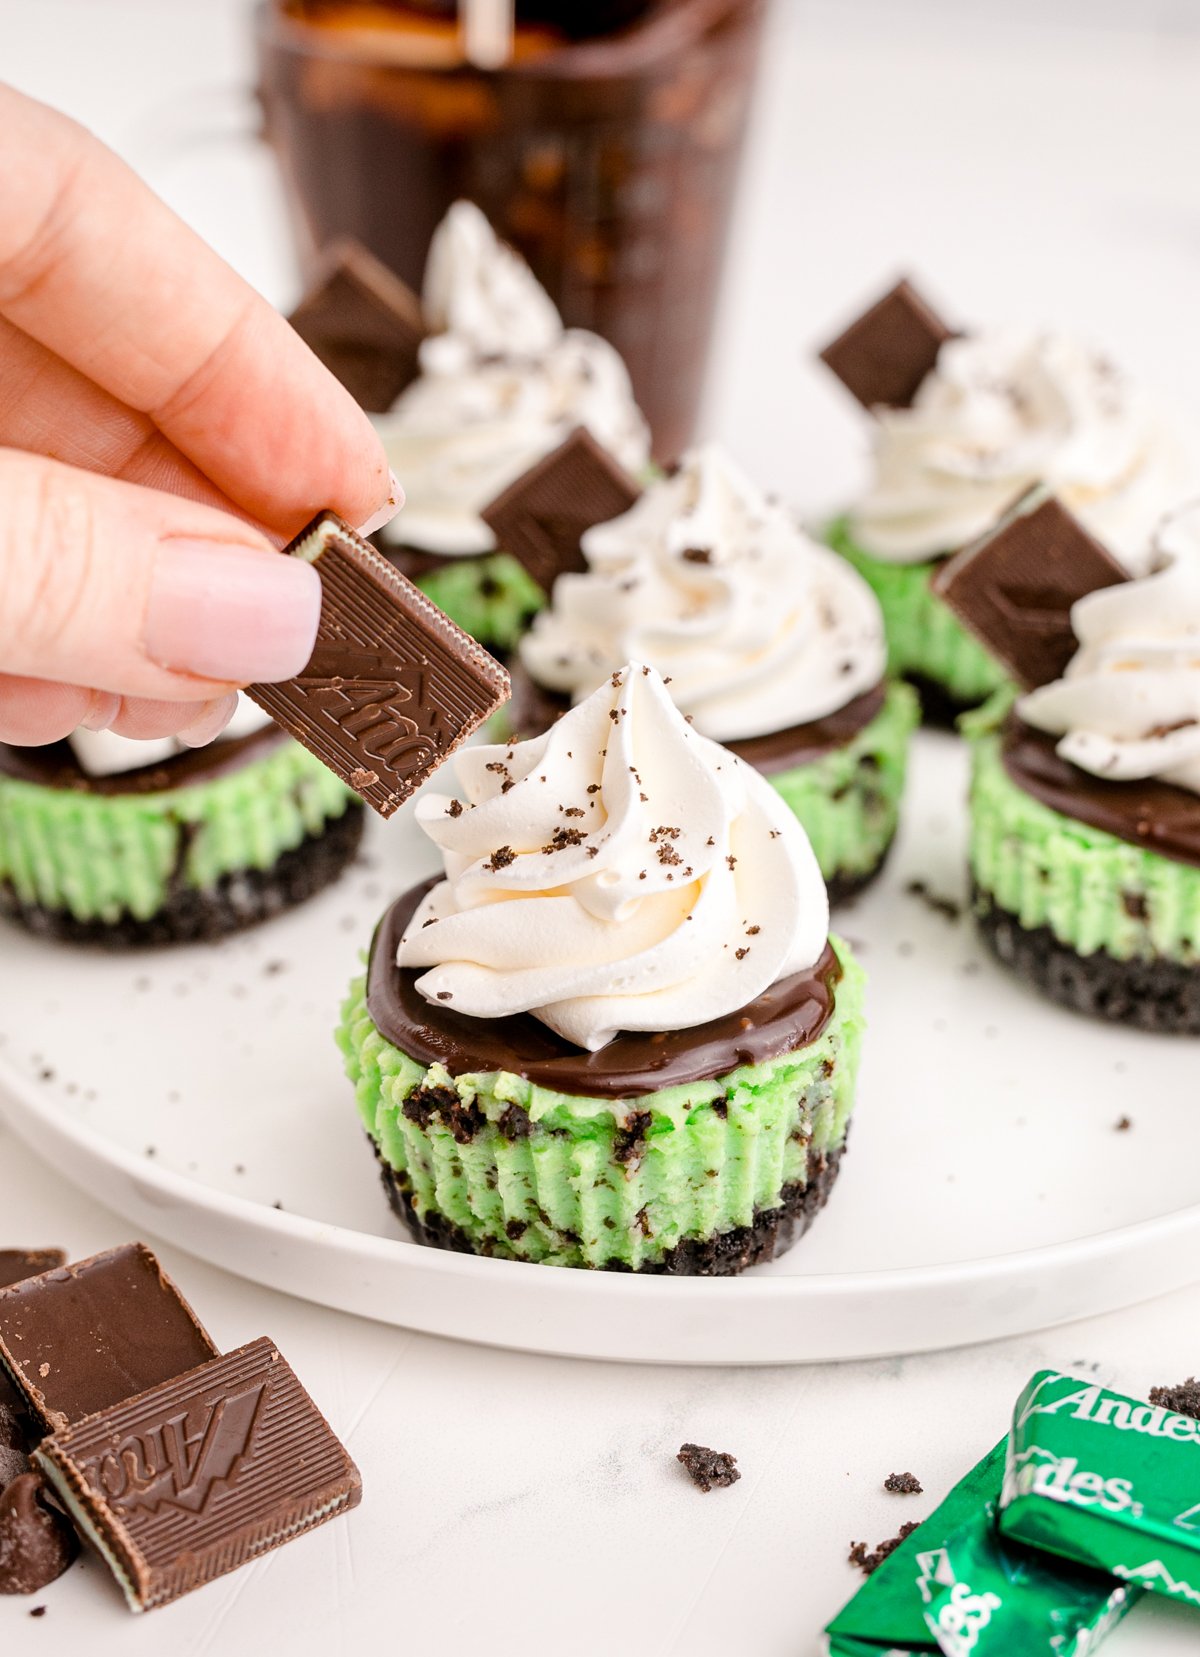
162, 432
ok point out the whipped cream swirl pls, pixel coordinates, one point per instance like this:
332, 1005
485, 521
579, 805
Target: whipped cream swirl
1128, 705
105, 754
620, 872
501, 385
1004, 410
755, 627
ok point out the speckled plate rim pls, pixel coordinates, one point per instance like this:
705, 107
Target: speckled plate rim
618, 1317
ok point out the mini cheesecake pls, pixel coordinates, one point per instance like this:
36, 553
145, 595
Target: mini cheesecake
975, 421
99, 845
768, 643
1085, 792
603, 1040
501, 385
1086, 887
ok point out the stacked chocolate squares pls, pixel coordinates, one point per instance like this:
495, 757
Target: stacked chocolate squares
176, 1462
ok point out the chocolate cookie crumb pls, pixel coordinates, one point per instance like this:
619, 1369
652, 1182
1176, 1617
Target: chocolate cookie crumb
708, 1469
1124, 1124
630, 1141
946, 907
1183, 1399
562, 838
500, 859
868, 1561
516, 1123
904, 1484
454, 809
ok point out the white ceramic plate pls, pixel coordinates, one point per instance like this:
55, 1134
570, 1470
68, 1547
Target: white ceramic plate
987, 1190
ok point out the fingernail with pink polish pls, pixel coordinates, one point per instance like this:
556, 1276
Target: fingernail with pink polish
388, 511
211, 719
232, 613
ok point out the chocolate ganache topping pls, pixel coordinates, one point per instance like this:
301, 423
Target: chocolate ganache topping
788, 1016
1157, 816
56, 766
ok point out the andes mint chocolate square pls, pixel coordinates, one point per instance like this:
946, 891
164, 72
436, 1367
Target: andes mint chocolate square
541, 518
364, 323
202, 1474
85, 1336
18, 1264
1014, 587
883, 357
393, 687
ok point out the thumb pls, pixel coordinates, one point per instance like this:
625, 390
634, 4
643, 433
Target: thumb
141, 593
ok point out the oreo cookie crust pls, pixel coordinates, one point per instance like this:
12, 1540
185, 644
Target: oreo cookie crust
1148, 993
727, 1254
191, 914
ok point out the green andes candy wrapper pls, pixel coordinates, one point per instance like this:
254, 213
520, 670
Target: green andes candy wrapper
887, 1614
1108, 1481
993, 1598
953, 1559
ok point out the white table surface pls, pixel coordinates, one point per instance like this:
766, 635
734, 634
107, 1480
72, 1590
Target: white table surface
521, 1504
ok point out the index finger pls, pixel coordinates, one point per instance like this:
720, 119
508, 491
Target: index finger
99, 270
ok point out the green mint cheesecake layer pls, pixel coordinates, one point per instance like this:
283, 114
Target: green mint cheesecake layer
925, 639
102, 856
1092, 890
493, 598
529, 1174
849, 799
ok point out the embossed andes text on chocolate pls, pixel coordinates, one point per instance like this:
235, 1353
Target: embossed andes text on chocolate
541, 518
393, 686
364, 323
82, 1337
883, 356
202, 1474
1014, 587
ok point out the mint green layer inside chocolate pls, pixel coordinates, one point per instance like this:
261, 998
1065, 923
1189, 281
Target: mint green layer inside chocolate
849, 799
1091, 889
104, 856
589, 1182
493, 598
925, 639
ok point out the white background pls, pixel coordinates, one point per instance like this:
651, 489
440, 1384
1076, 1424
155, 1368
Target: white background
1023, 169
